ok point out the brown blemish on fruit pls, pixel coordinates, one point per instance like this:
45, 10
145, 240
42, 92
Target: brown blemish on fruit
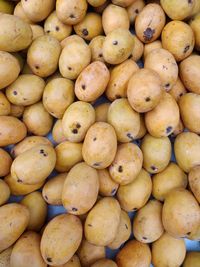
48, 31
190, 1
89, 225
94, 139
113, 191
130, 136
115, 42
120, 169
97, 164
57, 28
19, 180
169, 129
188, 233
42, 152
72, 16
69, 68
148, 34
46, 197
126, 226
186, 48
154, 168
137, 11
167, 85
100, 55
85, 32
74, 131
14, 92
37, 67
78, 125
145, 238
83, 86
49, 259
147, 99
74, 209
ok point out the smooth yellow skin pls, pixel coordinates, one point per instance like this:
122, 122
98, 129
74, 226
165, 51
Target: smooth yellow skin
37, 11
43, 55
77, 119
90, 26
104, 263
14, 220
189, 109
37, 31
100, 145
151, 46
9, 69
127, 163
12, 130
71, 12
52, 190
178, 10
57, 101
123, 233
134, 9
26, 251
144, 90
195, 24
57, 132
37, 208
75, 56
96, 46
89, 253
15, 34
123, 3
182, 223
61, 239
67, 155
134, 254
178, 38
73, 262
6, 7
194, 182
138, 49
189, 73
80, 189
134, 196
119, 78
178, 90
118, 46
5, 257
147, 224
28, 143
92, 82
156, 59
107, 187
164, 118
109, 22
26, 168
5, 192
56, 28
37, 120
18, 94
19, 12
192, 259
168, 250
124, 119
5, 106
186, 149
149, 23
156, 153
170, 178
104, 218
101, 112
18, 189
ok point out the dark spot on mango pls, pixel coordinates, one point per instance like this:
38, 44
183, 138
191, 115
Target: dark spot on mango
167, 85
148, 34
46, 197
19, 180
100, 55
89, 225
48, 31
130, 136
190, 1
115, 42
85, 32
137, 11
120, 169
78, 125
186, 48
57, 28
69, 68
134, 209
97, 164
83, 86
169, 129
74, 131
180, 94
94, 139
72, 16
153, 168
49, 259
14, 92
145, 238
74, 209
126, 226
188, 233
147, 99
41, 151
37, 67
24, 99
